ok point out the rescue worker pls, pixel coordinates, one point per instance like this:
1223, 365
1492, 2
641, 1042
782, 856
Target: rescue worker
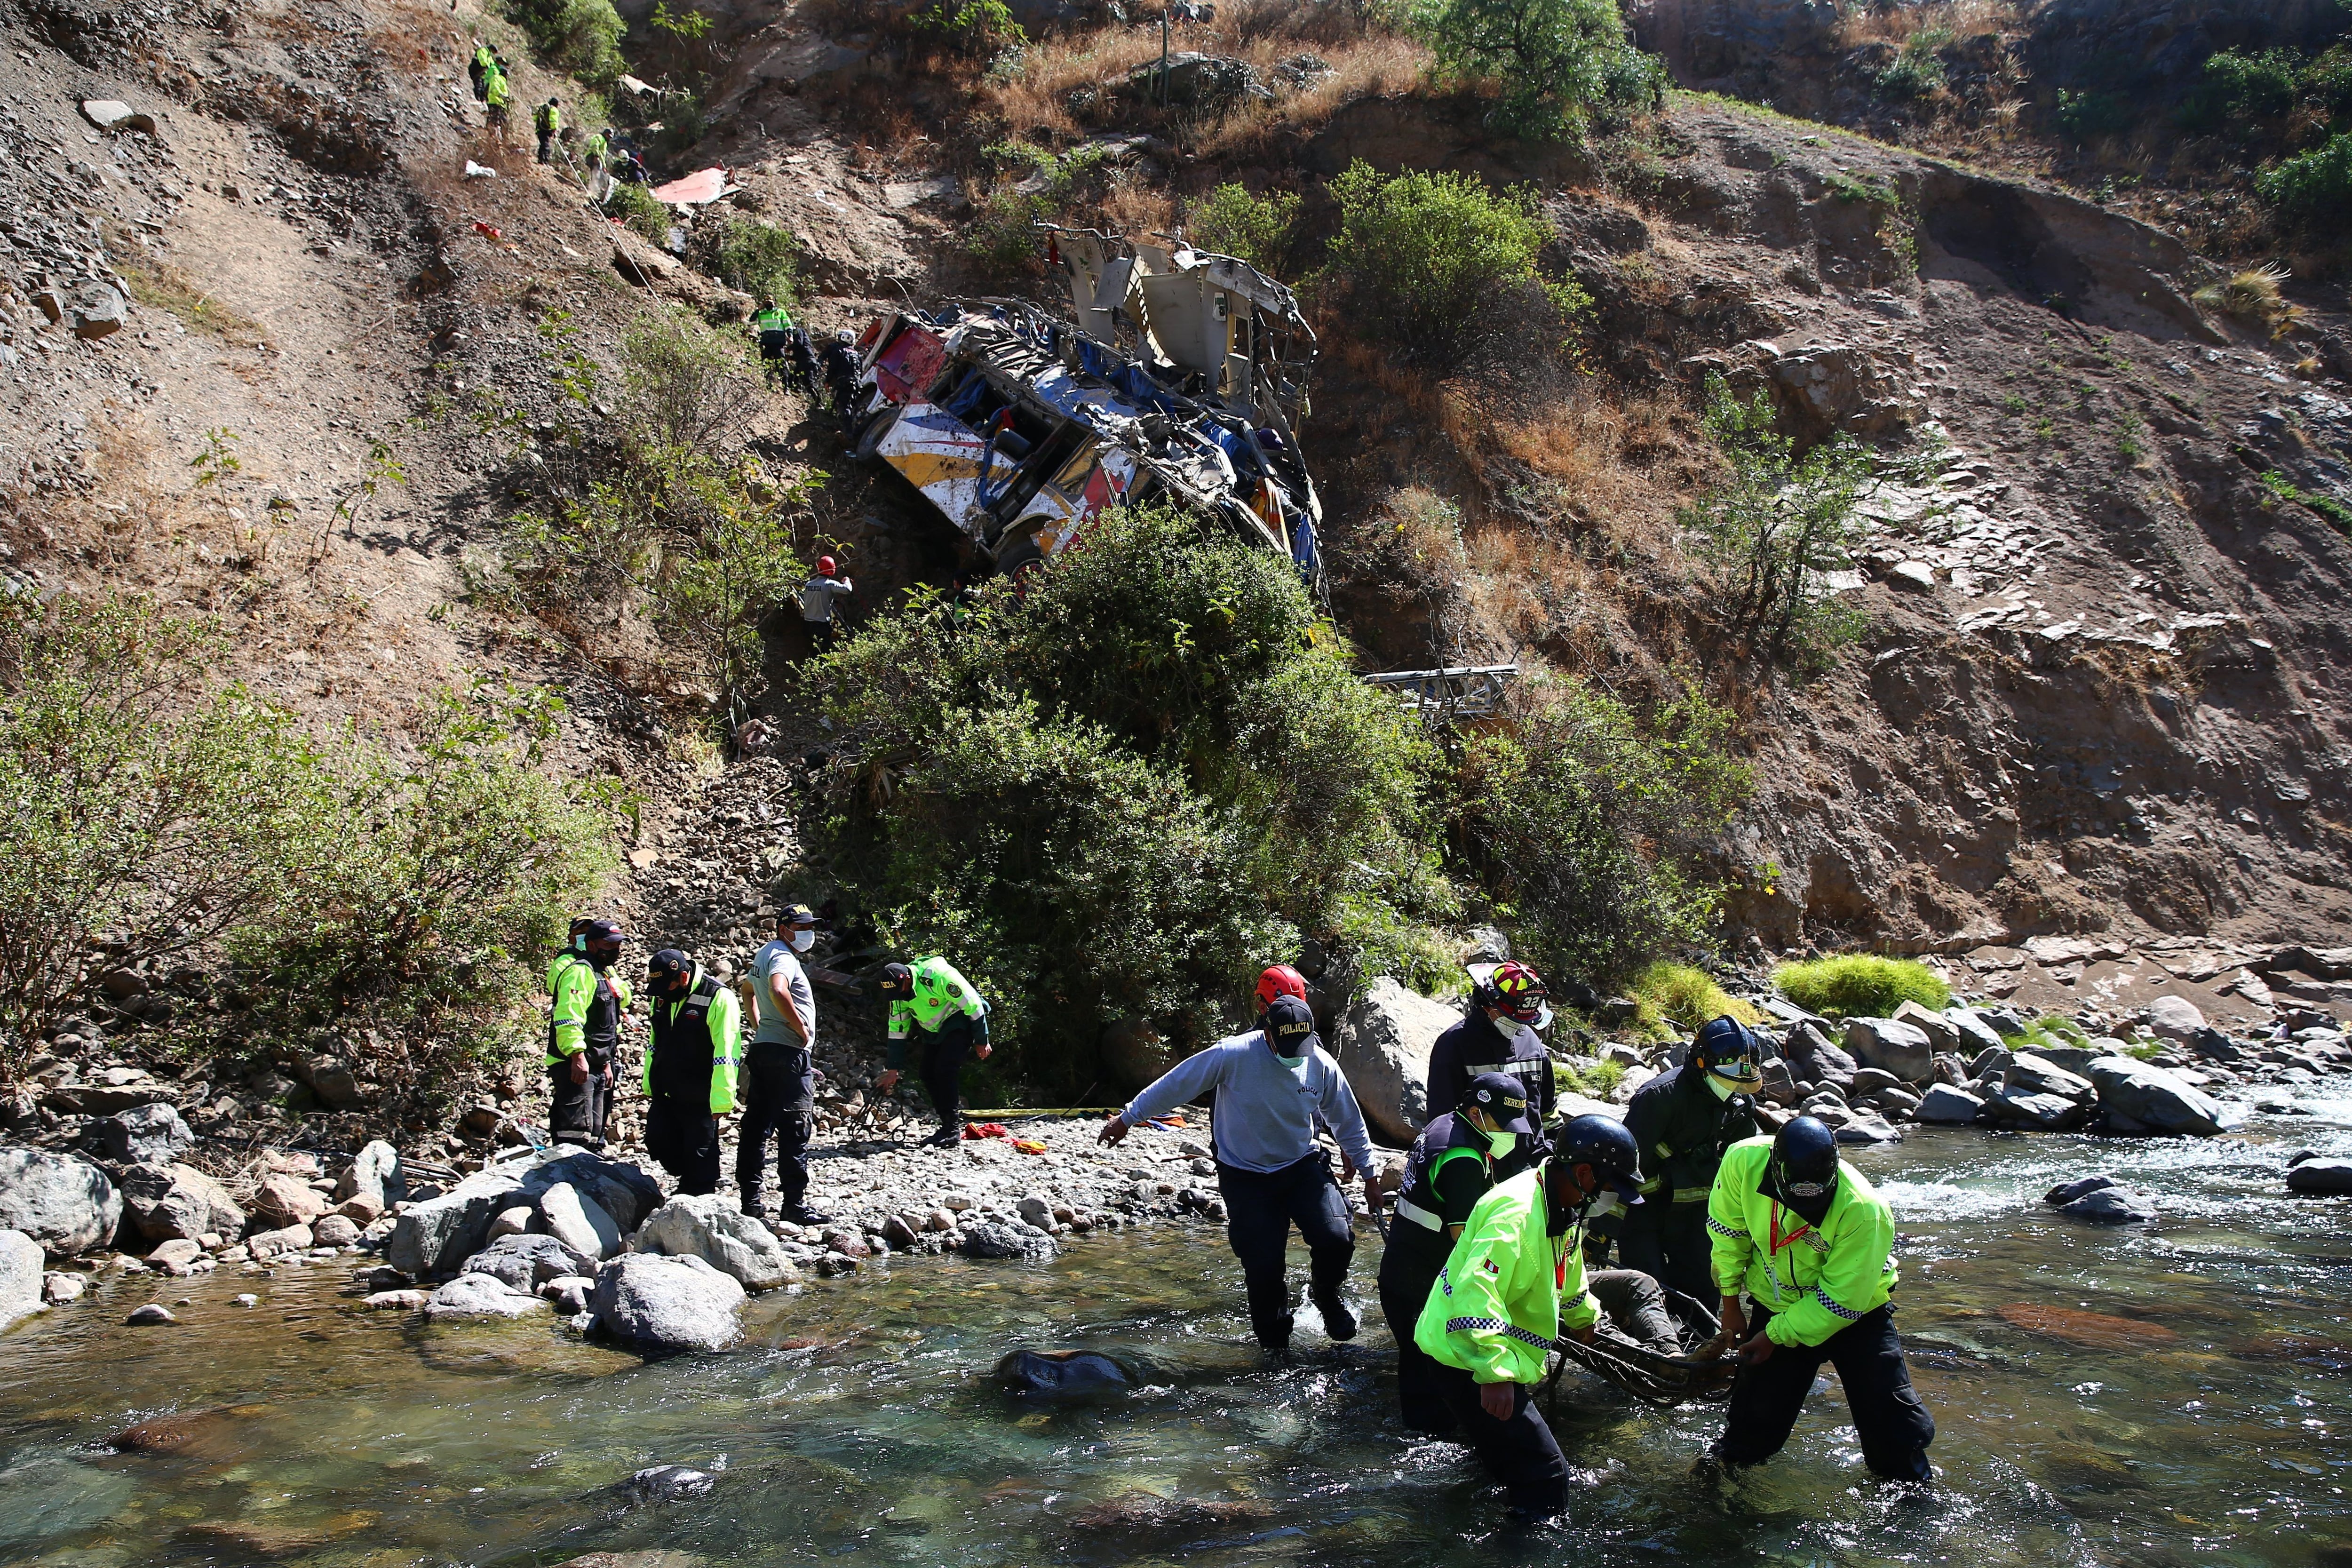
547, 121
1453, 1164
931, 1001
780, 1070
1809, 1245
772, 326
595, 148
801, 377
1271, 1085
584, 1027
839, 362
1512, 1285
497, 95
690, 1064
479, 69
1498, 1034
1684, 1122
817, 602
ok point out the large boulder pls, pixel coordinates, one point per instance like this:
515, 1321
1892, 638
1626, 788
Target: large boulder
1382, 1044
374, 1173
143, 1135
665, 1304
2174, 1019
1940, 1033
2153, 1097
2111, 1206
168, 1203
62, 1201
282, 1201
20, 1276
1974, 1031
1945, 1106
2328, 1178
1891, 1045
527, 1262
2034, 1112
2029, 1072
578, 1221
480, 1296
1814, 1058
712, 1228
998, 1238
435, 1236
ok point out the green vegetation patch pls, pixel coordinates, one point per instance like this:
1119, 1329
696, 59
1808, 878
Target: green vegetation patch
1860, 986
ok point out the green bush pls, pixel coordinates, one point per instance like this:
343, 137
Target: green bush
1119, 791
1558, 61
1918, 67
582, 39
2086, 116
1860, 986
2311, 190
759, 258
1772, 529
1686, 995
1443, 267
2240, 90
967, 29
1590, 825
1255, 230
635, 206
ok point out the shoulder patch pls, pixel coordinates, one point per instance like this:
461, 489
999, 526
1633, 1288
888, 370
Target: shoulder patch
1490, 1266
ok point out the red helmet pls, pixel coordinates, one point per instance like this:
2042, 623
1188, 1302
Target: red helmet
1519, 991
827, 566
1279, 981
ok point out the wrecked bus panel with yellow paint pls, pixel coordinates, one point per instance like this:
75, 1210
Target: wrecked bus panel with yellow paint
1176, 374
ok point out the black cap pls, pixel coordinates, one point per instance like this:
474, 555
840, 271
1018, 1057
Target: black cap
1503, 1097
667, 964
1290, 1027
599, 931
797, 915
897, 980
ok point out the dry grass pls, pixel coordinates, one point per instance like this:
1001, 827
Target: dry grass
160, 286
1897, 25
2252, 297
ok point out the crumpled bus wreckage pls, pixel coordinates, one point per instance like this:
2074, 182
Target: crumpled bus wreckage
1181, 375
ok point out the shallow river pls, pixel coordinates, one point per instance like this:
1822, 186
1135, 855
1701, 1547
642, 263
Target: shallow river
859, 1425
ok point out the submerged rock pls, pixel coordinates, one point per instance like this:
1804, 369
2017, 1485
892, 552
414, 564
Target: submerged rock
1063, 1376
479, 1296
152, 1314
667, 1483
2111, 1206
2067, 1192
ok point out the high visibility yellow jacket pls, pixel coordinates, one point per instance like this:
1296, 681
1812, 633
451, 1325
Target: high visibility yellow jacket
595, 145
774, 319
1814, 1280
548, 119
1508, 1289
572, 982
674, 1057
495, 92
938, 992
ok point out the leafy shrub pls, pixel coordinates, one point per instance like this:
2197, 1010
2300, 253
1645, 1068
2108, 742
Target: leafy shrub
137, 810
1918, 70
1256, 229
1771, 529
635, 206
2086, 116
759, 258
1443, 267
1121, 790
2310, 190
1589, 825
1557, 60
2240, 90
968, 29
1689, 996
582, 39
1860, 986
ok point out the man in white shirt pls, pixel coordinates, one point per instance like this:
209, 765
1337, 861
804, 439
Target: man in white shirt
779, 1069
817, 606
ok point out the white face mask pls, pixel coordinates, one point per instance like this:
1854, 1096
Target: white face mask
1518, 1034
803, 940
1500, 1145
1604, 1203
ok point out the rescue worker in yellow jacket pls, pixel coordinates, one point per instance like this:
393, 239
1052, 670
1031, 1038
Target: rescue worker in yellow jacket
1809, 1245
933, 1007
690, 1060
584, 1027
1512, 1285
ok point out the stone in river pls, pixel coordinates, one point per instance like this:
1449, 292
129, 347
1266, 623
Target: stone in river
2153, 1097
20, 1276
2327, 1178
335, 1230
992, 1238
668, 1483
479, 1296
1063, 1376
665, 1304
716, 1230
2111, 1206
1891, 1045
2041, 1112
2067, 1192
171, 1201
1865, 1127
527, 1262
409, 1300
578, 1221
1944, 1105
150, 1315
62, 1201
2097, 1330
285, 1201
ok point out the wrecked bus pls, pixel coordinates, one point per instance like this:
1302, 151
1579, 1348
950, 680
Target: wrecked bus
1177, 375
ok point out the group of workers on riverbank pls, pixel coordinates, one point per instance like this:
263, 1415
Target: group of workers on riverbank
1503, 1216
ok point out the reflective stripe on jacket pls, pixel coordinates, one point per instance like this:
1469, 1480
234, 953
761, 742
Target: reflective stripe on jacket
1814, 1279
939, 991
1682, 1129
572, 983
673, 1057
1497, 1306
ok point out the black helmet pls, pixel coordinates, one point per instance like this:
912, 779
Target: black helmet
1604, 1143
1730, 1050
1804, 1169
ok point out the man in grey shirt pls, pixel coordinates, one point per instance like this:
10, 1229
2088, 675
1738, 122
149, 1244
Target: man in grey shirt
779, 1079
818, 609
1272, 1086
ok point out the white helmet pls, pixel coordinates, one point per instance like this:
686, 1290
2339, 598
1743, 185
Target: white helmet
843, 336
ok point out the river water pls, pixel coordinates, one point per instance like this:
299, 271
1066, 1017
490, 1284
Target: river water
2196, 1419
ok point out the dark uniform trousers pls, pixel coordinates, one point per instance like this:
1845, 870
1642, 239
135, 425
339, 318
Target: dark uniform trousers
1894, 1427
941, 1068
576, 1112
1260, 1209
1409, 1268
779, 1097
683, 1135
1521, 1452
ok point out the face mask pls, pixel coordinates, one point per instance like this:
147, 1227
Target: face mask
803, 940
1292, 1063
1604, 1203
1518, 1034
1724, 1088
1500, 1145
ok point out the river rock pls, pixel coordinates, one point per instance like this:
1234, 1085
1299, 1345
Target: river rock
435, 1236
335, 1230
667, 1483
569, 1295
2072, 1058
2035, 1112
1870, 1081
1863, 1127
21, 1278
1382, 1044
2111, 1206
2033, 1073
993, 1238
143, 1135
1938, 1029
2330, 1178
578, 1221
2173, 1018
2153, 1097
169, 1201
1815, 1059
479, 1296
281, 1243
374, 1173
515, 1221
175, 1256
1060, 1377
1945, 1106
58, 1289
1891, 1045
282, 1201
1895, 1101
661, 1304
1972, 1030
401, 1301
62, 1201
712, 1228
2065, 1193
527, 1262
154, 1314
